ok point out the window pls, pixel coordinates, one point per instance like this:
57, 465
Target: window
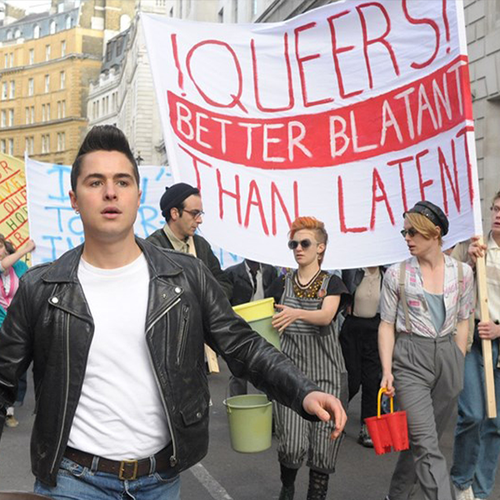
4, 90
63, 48
11, 117
47, 83
63, 109
12, 59
31, 86
27, 120
47, 52
52, 27
9, 35
3, 147
109, 52
32, 56
46, 143
63, 80
11, 147
59, 108
68, 22
12, 89
6, 59
48, 112
43, 112
61, 141
17, 33
32, 110
3, 119
36, 31
29, 143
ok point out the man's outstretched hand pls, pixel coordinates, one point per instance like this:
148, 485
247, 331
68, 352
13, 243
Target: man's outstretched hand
325, 406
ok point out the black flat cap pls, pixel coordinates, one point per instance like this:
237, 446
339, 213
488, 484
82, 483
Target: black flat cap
174, 195
433, 213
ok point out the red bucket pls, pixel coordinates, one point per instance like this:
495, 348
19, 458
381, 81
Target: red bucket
388, 431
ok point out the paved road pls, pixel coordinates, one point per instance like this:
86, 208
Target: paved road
227, 475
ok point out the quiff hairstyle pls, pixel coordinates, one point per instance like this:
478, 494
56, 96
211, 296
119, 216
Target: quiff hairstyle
495, 198
103, 138
312, 224
424, 226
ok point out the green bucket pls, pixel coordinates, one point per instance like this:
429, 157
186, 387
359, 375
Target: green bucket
258, 315
250, 422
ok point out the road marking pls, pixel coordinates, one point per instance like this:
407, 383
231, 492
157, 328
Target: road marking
217, 492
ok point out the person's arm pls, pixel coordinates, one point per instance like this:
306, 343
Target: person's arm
321, 317
386, 339
462, 334
9, 260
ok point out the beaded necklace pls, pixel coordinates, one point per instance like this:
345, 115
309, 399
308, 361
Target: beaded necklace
311, 289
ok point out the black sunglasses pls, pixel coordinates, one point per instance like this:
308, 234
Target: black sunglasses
293, 244
412, 232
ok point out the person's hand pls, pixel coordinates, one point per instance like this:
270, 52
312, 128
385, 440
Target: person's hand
30, 246
476, 250
285, 317
488, 330
387, 382
325, 406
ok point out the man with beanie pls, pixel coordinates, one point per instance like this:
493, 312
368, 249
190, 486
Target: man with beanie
183, 211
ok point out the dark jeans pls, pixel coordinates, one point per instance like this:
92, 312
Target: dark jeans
359, 341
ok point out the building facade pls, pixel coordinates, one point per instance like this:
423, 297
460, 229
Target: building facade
46, 63
482, 19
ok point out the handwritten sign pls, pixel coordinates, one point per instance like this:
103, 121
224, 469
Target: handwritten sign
13, 208
56, 228
351, 113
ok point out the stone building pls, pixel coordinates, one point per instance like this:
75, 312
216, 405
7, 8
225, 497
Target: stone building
482, 18
46, 63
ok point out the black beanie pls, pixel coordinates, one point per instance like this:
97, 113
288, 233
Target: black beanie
175, 195
433, 213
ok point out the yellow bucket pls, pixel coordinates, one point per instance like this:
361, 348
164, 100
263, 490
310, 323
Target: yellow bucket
250, 419
258, 315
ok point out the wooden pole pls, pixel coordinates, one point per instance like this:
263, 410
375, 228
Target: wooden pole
213, 364
491, 407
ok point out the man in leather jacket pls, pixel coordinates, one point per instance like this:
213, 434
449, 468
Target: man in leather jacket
115, 329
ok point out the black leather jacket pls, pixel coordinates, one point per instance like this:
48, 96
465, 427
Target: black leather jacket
49, 322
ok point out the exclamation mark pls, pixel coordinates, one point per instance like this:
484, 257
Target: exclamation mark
180, 79
446, 26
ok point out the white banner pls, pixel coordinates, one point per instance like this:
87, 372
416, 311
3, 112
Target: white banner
350, 113
56, 228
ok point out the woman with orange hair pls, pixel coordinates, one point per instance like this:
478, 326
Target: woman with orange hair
310, 300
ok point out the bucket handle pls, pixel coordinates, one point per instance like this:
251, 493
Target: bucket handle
380, 392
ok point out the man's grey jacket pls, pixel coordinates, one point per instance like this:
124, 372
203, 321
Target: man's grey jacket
50, 323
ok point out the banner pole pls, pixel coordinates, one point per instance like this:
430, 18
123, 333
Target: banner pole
491, 407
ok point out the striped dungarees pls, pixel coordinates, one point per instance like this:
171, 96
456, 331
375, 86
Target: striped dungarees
317, 352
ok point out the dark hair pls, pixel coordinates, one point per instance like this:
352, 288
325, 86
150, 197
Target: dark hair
103, 138
7, 244
495, 198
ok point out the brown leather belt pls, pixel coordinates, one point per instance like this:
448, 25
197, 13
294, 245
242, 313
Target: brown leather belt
124, 469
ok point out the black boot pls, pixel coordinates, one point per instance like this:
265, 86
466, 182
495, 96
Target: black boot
287, 492
318, 485
287, 476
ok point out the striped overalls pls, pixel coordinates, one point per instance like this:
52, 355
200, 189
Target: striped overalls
317, 352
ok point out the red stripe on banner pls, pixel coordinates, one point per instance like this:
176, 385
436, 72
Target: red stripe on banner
390, 122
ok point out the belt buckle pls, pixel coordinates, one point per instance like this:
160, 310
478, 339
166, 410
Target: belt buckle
124, 467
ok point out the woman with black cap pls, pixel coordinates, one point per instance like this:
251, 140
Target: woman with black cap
425, 304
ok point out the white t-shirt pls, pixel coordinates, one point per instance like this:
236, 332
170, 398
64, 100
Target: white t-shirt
120, 413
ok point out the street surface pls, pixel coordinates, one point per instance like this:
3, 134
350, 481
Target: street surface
227, 475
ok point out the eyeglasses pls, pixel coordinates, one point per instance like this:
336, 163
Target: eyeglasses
412, 232
495, 209
293, 244
195, 214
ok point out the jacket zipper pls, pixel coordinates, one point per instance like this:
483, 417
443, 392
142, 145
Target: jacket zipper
182, 339
173, 459
66, 395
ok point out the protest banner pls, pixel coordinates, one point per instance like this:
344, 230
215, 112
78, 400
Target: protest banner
351, 113
13, 209
56, 228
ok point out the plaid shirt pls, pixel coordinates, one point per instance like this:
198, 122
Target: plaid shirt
392, 311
